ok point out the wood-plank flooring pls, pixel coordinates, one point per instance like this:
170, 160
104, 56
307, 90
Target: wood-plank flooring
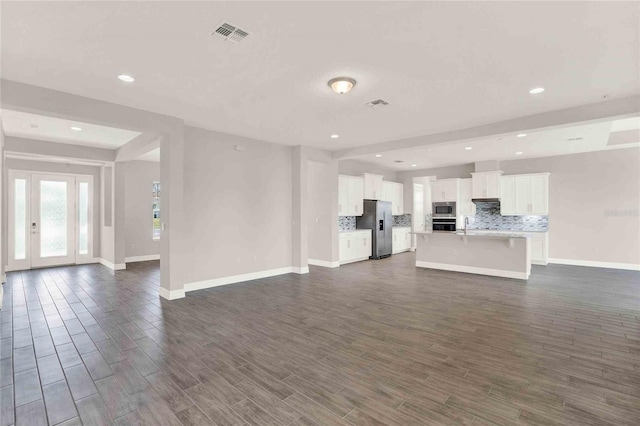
371, 343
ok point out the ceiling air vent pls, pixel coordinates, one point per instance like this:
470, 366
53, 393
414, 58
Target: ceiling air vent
574, 139
377, 103
230, 32
398, 161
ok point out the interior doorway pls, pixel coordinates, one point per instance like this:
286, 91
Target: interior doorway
49, 219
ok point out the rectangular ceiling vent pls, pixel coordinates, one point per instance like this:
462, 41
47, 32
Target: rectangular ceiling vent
230, 32
398, 161
377, 103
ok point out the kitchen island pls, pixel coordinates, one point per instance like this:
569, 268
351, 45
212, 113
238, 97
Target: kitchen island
500, 255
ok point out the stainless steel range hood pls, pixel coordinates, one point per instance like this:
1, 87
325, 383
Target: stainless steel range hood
485, 200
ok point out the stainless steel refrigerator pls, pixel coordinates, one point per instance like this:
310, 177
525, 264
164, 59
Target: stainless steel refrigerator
377, 217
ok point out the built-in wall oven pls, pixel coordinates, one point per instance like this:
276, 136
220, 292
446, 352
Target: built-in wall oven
444, 225
444, 217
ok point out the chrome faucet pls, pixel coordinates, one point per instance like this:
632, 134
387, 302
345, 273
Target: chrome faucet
466, 224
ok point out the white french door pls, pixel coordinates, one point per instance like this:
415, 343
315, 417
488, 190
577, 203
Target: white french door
49, 219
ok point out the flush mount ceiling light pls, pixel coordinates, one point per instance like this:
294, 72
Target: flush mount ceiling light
536, 90
414, 165
468, 148
519, 153
76, 128
378, 155
335, 136
126, 78
522, 135
342, 85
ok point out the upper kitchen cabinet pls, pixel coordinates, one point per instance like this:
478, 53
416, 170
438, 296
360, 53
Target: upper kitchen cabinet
394, 193
467, 208
372, 186
523, 195
350, 195
445, 190
486, 184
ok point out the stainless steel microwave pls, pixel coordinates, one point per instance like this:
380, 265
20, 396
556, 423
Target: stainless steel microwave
443, 209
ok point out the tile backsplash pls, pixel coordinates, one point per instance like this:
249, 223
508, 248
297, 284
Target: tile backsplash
346, 223
488, 217
402, 220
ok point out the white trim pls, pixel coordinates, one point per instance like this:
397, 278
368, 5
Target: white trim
200, 285
88, 261
473, 270
360, 259
171, 295
323, 263
300, 269
115, 267
597, 264
145, 258
2, 281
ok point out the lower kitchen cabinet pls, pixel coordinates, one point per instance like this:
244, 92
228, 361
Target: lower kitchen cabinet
401, 240
355, 245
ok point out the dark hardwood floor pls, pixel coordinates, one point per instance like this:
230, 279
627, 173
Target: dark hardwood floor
372, 343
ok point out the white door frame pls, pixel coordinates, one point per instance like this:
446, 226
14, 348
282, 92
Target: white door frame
12, 263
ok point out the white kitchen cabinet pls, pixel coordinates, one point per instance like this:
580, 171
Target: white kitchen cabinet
350, 195
372, 186
507, 195
401, 240
445, 190
522, 195
485, 184
355, 245
394, 193
467, 208
539, 247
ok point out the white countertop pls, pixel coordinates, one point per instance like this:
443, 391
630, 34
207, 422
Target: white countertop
474, 234
354, 230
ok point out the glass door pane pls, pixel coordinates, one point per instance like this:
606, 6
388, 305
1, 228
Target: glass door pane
53, 218
20, 219
83, 218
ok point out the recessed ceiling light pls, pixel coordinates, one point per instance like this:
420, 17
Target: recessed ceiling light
378, 155
519, 153
414, 165
335, 136
76, 128
342, 85
468, 148
536, 90
126, 78
521, 135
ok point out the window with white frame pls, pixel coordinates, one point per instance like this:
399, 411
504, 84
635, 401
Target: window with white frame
156, 211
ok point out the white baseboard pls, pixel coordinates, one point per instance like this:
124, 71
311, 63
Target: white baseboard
473, 270
171, 295
324, 263
200, 285
300, 269
115, 267
596, 264
360, 259
145, 258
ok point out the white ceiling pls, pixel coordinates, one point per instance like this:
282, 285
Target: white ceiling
595, 137
441, 65
153, 155
52, 129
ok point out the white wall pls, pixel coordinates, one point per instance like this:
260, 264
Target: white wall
50, 167
138, 208
238, 206
355, 167
322, 222
582, 187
